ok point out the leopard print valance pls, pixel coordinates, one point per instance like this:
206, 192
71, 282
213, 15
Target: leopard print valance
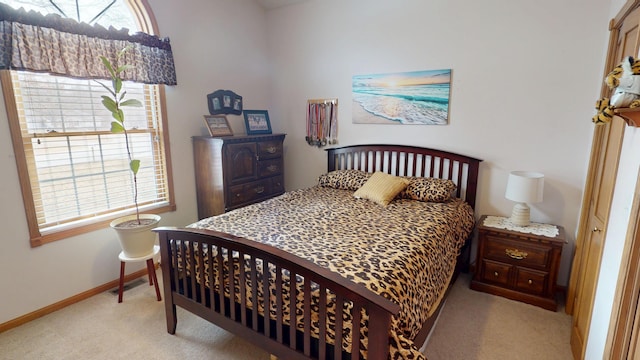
33, 42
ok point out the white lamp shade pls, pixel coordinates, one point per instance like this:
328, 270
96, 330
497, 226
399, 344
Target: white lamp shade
525, 186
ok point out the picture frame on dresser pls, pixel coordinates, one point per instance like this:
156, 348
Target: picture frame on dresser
257, 122
218, 125
224, 102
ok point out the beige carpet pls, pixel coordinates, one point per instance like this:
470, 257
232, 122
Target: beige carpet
473, 325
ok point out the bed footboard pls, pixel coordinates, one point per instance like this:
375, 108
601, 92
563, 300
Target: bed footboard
230, 298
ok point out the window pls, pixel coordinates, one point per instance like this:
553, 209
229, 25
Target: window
104, 12
73, 171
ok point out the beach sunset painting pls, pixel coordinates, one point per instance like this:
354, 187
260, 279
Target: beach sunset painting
409, 98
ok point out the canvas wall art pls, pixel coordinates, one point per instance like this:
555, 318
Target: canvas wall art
408, 98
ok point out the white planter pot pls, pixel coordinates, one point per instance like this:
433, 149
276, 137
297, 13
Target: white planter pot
136, 241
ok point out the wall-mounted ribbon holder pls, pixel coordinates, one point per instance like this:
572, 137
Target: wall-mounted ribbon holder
322, 122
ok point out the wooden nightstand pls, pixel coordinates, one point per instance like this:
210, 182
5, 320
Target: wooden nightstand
516, 264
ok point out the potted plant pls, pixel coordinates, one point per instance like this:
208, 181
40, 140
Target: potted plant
133, 231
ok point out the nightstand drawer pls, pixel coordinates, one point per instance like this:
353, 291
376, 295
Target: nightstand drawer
531, 281
517, 253
496, 272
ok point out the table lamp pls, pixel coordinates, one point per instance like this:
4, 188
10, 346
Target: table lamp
524, 187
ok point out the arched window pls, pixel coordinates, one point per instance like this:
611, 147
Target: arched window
73, 171
104, 12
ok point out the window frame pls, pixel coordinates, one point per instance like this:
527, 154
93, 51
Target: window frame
142, 13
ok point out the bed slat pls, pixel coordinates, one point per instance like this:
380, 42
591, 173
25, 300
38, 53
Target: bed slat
254, 292
266, 304
339, 323
355, 332
231, 282
293, 290
322, 313
243, 290
201, 271
220, 280
212, 293
279, 304
307, 317
192, 279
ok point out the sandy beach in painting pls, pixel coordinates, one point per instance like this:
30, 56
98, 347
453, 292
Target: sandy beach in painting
362, 116
410, 98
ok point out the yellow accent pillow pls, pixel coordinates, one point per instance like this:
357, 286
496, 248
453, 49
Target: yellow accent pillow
381, 188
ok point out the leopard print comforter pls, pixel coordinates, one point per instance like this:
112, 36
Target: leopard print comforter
405, 252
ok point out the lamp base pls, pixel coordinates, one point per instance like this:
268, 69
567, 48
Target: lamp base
520, 215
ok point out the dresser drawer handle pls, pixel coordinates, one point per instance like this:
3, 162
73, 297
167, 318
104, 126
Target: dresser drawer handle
272, 168
271, 149
516, 254
259, 190
530, 281
496, 274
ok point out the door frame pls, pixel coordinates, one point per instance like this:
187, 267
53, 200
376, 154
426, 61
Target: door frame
623, 327
624, 324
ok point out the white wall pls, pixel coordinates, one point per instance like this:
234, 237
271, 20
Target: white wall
217, 45
525, 77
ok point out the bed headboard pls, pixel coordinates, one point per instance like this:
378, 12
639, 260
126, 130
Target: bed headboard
402, 160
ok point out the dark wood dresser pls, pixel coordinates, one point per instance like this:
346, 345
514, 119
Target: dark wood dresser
236, 171
518, 265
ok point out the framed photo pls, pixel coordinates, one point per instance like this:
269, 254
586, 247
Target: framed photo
257, 122
218, 125
224, 102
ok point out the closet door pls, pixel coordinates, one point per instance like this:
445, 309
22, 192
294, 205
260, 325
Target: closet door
603, 166
592, 243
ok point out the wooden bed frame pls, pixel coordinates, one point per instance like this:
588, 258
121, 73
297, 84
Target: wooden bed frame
274, 335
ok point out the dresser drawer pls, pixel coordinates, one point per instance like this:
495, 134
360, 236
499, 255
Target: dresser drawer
241, 194
277, 184
531, 281
269, 149
495, 272
518, 253
270, 167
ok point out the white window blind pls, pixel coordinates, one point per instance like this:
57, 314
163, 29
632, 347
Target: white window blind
77, 168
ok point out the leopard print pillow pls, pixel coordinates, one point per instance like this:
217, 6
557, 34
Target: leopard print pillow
344, 179
428, 189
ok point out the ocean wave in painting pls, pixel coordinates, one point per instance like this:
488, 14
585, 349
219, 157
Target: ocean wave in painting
407, 98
